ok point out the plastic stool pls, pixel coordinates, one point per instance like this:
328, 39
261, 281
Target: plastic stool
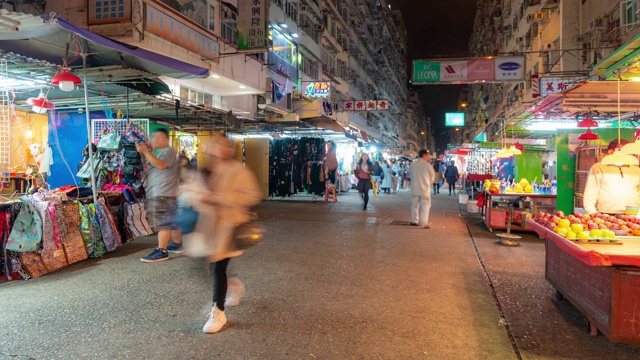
331, 193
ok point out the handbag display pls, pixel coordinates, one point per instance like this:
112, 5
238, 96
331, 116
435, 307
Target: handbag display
109, 141
32, 264
54, 259
26, 233
110, 234
85, 170
135, 216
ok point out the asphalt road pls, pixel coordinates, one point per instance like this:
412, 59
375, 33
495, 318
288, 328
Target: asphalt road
330, 282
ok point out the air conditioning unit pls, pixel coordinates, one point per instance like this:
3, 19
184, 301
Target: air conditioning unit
520, 40
578, 39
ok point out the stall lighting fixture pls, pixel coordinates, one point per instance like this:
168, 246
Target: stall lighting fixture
66, 80
588, 136
619, 158
587, 123
283, 25
242, 86
634, 147
40, 104
215, 76
634, 79
294, 34
555, 125
28, 134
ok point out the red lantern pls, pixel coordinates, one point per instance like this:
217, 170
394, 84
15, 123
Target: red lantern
588, 136
519, 146
587, 123
40, 104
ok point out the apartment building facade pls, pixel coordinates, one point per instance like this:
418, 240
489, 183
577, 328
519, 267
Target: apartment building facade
565, 42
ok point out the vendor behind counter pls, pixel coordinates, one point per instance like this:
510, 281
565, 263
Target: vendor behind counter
610, 189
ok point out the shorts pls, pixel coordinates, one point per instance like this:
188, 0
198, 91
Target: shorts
161, 213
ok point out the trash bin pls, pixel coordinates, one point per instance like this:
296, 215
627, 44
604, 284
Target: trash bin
463, 198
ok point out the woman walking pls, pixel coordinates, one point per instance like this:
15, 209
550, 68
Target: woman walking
364, 167
452, 175
377, 176
223, 194
438, 176
397, 178
387, 178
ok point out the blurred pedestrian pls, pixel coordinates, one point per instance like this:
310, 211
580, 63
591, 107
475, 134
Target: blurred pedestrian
397, 177
377, 176
423, 174
226, 192
437, 177
387, 178
364, 167
161, 188
407, 175
331, 162
452, 175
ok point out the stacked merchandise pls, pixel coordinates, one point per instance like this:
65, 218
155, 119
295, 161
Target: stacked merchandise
118, 165
46, 231
289, 162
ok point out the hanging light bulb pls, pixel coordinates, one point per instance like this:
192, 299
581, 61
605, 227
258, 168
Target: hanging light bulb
618, 158
66, 80
40, 104
634, 147
519, 147
28, 134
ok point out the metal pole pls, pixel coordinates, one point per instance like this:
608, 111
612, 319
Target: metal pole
88, 119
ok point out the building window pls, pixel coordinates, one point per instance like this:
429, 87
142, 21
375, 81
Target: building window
195, 97
212, 18
282, 47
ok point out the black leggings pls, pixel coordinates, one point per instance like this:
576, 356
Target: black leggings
219, 272
452, 187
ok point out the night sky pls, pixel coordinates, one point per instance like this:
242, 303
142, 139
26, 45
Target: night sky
438, 28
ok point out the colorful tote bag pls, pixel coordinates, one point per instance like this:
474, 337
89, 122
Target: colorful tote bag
109, 141
50, 238
99, 247
32, 264
54, 259
68, 221
136, 217
26, 233
110, 234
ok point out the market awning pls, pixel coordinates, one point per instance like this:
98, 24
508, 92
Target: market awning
603, 96
619, 60
48, 39
324, 123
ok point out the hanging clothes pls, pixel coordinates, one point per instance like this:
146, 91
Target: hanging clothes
288, 164
316, 184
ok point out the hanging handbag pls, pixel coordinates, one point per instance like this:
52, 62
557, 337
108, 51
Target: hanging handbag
249, 234
99, 246
135, 215
110, 234
68, 220
26, 233
85, 171
110, 141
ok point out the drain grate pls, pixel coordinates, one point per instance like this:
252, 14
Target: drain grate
400, 222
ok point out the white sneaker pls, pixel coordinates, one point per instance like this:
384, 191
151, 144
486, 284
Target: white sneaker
216, 321
235, 290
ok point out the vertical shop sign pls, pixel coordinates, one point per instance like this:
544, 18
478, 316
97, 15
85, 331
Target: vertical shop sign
165, 26
252, 25
109, 11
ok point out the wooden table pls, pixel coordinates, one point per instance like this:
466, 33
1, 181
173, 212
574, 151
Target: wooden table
600, 280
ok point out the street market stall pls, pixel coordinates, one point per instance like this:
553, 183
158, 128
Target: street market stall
500, 209
602, 280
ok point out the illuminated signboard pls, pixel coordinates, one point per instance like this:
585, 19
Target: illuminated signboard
317, 89
454, 119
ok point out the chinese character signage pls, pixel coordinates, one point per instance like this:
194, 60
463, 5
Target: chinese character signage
501, 68
557, 85
316, 89
165, 26
109, 11
365, 105
252, 25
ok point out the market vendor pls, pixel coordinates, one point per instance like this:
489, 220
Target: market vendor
610, 189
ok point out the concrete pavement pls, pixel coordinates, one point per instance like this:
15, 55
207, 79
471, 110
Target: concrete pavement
330, 282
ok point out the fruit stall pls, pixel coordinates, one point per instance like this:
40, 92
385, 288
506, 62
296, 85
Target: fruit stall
596, 268
515, 203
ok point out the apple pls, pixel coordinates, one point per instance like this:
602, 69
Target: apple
635, 227
596, 233
608, 224
585, 235
578, 221
614, 227
560, 213
556, 219
577, 228
564, 223
624, 227
586, 217
562, 231
603, 227
571, 235
592, 226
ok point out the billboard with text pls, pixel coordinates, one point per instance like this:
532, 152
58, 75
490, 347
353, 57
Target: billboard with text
462, 71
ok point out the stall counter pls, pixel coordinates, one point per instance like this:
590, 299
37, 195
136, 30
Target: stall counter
602, 280
497, 217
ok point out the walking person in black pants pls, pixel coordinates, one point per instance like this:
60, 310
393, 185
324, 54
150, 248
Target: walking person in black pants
452, 175
364, 167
